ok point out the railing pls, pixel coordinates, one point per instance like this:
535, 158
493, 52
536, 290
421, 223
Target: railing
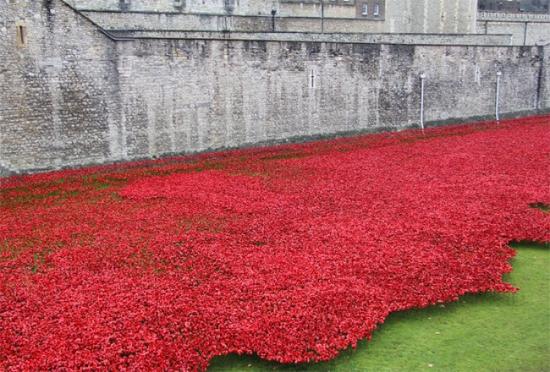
521, 17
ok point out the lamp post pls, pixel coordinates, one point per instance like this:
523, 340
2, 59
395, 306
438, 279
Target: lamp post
422, 78
497, 98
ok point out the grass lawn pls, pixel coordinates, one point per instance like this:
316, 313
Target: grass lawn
489, 332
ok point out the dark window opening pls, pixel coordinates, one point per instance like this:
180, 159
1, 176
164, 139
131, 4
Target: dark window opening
21, 34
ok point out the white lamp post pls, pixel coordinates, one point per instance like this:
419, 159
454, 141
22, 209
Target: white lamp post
497, 98
422, 78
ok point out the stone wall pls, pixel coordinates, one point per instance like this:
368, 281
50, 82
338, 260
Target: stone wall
202, 22
362, 38
189, 6
247, 92
72, 96
544, 84
59, 102
526, 29
401, 16
193, 22
431, 16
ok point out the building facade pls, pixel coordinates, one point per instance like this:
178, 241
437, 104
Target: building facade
391, 16
515, 6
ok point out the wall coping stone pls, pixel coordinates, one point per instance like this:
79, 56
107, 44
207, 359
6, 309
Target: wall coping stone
348, 38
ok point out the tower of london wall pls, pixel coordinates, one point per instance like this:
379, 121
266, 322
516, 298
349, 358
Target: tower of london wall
72, 94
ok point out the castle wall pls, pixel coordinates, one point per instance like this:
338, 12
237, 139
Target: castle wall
401, 16
431, 16
526, 29
58, 91
349, 38
199, 22
214, 94
151, 21
72, 96
545, 79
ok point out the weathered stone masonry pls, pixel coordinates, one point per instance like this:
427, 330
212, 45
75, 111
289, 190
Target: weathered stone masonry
525, 28
59, 94
74, 96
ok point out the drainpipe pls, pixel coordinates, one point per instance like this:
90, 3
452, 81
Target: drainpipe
422, 78
273, 13
322, 16
499, 74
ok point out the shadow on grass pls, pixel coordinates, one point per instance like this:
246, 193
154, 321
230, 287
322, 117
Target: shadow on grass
489, 331
529, 245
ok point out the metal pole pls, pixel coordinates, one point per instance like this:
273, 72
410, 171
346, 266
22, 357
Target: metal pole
497, 99
322, 16
273, 13
422, 77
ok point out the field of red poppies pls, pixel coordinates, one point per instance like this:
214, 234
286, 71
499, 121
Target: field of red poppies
293, 252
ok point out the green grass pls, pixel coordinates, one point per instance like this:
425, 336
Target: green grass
488, 332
